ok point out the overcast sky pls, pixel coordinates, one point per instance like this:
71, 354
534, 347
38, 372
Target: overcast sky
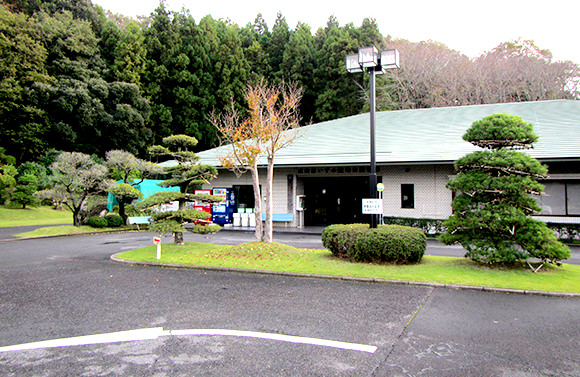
471, 27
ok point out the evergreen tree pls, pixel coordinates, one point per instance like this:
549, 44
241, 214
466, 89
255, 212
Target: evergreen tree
298, 67
160, 41
26, 187
187, 175
255, 39
337, 92
86, 112
23, 126
491, 212
108, 40
129, 171
277, 46
130, 55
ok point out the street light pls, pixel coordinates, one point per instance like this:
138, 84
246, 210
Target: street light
375, 63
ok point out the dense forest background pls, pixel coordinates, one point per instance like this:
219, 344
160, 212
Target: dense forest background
77, 78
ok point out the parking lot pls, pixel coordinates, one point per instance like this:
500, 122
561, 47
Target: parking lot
195, 322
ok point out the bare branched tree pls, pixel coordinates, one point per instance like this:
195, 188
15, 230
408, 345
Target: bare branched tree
433, 75
269, 126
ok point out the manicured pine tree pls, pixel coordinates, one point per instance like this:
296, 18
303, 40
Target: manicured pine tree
491, 213
187, 175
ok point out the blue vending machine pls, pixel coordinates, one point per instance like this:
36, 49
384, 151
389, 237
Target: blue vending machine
223, 213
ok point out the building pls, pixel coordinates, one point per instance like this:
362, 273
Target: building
326, 169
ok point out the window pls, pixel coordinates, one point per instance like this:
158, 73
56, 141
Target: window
407, 196
560, 198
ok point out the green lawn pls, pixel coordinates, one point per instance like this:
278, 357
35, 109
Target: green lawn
278, 257
64, 230
33, 216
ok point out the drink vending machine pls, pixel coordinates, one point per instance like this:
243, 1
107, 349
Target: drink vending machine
201, 206
223, 213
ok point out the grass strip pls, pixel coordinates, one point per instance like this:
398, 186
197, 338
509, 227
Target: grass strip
63, 230
10, 217
284, 258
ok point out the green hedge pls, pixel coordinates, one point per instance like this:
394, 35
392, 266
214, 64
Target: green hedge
564, 231
114, 220
97, 222
340, 239
428, 226
386, 243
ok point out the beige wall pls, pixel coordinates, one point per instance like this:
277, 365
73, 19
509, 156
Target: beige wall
432, 199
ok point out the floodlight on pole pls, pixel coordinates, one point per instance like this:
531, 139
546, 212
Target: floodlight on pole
369, 59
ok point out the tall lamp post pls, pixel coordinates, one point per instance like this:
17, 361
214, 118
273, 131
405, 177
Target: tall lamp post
369, 59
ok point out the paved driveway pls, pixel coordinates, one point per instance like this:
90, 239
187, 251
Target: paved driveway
67, 287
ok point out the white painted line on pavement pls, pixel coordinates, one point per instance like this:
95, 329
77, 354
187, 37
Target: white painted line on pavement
156, 332
115, 337
279, 337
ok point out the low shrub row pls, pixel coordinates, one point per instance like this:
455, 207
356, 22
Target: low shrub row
111, 221
564, 231
428, 226
386, 243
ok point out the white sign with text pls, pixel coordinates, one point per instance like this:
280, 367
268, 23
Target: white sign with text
372, 207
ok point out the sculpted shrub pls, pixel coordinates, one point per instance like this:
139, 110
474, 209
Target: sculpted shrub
387, 243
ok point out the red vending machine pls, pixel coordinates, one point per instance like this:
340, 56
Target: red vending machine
200, 206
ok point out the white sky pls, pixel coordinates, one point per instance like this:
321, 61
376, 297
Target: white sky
471, 27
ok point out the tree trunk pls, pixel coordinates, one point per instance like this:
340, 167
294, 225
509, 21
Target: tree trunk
122, 212
268, 228
77, 217
258, 204
178, 238
76, 210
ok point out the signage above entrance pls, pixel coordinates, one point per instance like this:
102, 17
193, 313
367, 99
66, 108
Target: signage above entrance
372, 207
335, 170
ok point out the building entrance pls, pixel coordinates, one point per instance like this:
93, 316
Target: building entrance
335, 200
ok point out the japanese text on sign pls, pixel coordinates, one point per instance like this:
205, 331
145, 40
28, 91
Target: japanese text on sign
372, 206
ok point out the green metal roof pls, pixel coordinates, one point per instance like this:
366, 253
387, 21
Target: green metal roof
424, 135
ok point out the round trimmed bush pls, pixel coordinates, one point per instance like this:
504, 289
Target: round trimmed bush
114, 220
387, 243
340, 238
390, 243
97, 222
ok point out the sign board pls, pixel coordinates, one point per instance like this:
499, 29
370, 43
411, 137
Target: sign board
380, 187
372, 207
156, 241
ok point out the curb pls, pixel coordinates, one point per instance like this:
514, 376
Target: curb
116, 259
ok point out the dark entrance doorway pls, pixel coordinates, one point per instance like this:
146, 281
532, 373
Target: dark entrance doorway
335, 200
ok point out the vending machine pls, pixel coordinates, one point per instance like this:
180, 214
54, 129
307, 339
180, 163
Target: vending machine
223, 213
201, 206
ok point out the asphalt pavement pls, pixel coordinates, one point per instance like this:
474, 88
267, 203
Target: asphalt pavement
212, 323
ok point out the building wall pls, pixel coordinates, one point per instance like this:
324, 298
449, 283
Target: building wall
431, 198
280, 189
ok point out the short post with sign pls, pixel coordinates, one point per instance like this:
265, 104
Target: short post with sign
380, 189
157, 241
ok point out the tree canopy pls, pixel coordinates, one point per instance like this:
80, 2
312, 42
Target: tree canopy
75, 78
492, 209
187, 174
